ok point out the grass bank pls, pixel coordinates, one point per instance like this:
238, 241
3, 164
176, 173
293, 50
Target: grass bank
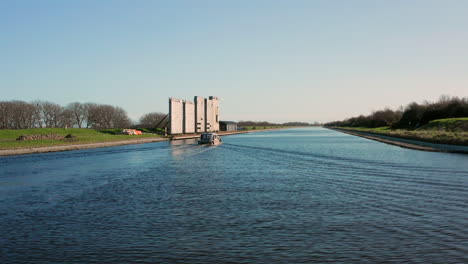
448, 124
263, 127
82, 136
84, 139
450, 131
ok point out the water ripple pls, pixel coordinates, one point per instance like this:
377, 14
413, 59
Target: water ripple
293, 196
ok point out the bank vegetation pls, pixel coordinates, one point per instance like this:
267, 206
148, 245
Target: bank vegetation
444, 121
257, 125
44, 114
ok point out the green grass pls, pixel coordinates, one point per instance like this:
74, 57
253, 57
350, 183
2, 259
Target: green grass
451, 119
83, 135
441, 136
448, 124
366, 129
15, 133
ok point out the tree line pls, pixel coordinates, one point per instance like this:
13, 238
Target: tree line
44, 114
412, 116
265, 123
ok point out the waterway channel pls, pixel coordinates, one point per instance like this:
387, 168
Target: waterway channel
305, 195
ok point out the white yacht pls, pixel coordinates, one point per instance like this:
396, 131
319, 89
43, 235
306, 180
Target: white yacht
209, 139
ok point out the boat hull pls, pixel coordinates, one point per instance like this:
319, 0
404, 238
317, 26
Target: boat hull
209, 143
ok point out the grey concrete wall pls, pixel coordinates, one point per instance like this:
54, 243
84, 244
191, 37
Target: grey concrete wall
223, 126
176, 114
189, 117
215, 101
212, 114
209, 115
231, 127
199, 114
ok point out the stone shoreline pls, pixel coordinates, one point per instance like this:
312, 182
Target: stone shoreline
406, 143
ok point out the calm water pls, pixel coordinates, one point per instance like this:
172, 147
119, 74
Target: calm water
306, 195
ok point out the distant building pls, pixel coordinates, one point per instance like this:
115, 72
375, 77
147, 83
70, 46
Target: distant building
201, 115
227, 126
212, 114
176, 116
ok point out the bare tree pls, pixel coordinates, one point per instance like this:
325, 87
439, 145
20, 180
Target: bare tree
22, 115
87, 112
151, 120
78, 112
97, 116
18, 115
50, 113
66, 119
120, 118
5, 115
107, 116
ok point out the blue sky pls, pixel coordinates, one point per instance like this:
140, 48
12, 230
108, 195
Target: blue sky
266, 60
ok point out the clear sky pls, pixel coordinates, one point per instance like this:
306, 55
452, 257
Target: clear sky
266, 60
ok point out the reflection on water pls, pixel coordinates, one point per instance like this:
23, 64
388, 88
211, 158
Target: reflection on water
182, 149
291, 196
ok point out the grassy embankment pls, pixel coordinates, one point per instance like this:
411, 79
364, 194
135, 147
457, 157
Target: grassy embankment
452, 131
263, 127
82, 136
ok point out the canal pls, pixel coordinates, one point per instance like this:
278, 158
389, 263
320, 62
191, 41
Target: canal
305, 195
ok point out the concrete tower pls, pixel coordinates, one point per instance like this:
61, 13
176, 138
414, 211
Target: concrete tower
199, 114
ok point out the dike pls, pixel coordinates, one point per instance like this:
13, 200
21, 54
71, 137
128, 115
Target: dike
405, 143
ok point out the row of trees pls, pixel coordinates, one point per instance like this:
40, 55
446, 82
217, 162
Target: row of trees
41, 114
412, 116
265, 123
152, 120
44, 114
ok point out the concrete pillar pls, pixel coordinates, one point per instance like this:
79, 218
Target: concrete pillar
176, 114
189, 117
200, 124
